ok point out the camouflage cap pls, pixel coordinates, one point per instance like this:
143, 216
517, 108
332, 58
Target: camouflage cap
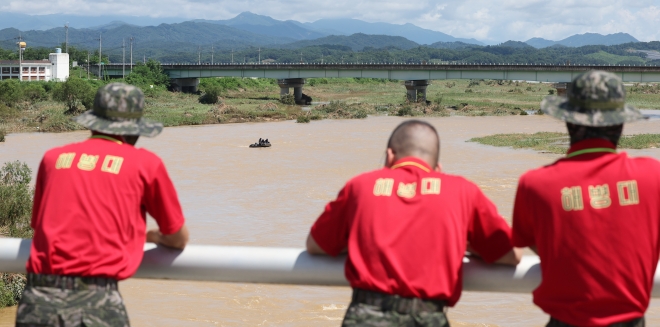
595, 98
118, 111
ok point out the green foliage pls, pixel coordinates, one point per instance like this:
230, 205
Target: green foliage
145, 75
10, 92
303, 119
551, 91
15, 215
288, 99
558, 142
15, 200
74, 93
2, 134
211, 94
405, 110
541, 141
34, 92
11, 288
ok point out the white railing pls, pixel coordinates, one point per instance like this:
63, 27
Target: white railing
284, 266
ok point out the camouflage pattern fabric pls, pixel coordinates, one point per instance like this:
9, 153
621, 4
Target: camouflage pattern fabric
633, 323
61, 301
595, 98
118, 110
366, 315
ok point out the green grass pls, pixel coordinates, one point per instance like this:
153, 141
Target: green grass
551, 142
15, 213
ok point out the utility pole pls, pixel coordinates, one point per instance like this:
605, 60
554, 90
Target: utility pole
199, 55
212, 52
123, 58
100, 58
301, 58
88, 64
321, 59
20, 57
66, 42
131, 39
232, 56
259, 55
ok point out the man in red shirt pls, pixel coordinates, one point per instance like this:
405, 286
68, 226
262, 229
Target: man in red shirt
593, 217
89, 216
406, 228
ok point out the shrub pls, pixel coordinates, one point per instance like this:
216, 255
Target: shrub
74, 93
34, 92
405, 110
2, 135
288, 99
303, 119
449, 85
15, 214
473, 82
361, 114
211, 94
529, 88
10, 92
551, 91
469, 91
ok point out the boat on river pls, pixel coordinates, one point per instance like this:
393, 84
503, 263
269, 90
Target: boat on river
261, 144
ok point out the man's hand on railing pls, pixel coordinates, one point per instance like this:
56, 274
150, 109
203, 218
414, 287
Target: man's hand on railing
177, 240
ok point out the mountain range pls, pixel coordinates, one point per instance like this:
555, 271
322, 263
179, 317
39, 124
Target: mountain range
579, 40
246, 30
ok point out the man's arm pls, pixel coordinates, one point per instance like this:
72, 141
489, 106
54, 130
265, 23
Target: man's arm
313, 247
177, 240
512, 257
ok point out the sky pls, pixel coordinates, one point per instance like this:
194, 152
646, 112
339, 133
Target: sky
491, 21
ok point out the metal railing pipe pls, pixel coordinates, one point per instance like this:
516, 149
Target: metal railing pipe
284, 266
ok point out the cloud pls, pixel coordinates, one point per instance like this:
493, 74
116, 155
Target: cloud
487, 20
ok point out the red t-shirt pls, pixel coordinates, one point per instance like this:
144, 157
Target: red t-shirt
595, 218
90, 205
407, 228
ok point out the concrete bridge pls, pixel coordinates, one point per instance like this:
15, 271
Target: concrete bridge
185, 77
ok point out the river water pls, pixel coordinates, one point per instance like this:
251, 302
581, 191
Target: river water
233, 195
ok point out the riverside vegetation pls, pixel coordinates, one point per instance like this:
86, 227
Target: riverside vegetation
551, 142
48, 106
15, 212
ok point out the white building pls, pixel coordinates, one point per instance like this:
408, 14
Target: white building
56, 68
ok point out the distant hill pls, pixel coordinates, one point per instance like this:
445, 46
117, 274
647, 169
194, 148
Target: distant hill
411, 32
160, 37
452, 45
579, 40
515, 44
45, 22
357, 42
265, 25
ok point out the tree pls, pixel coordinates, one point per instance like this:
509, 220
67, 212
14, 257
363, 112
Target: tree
10, 92
147, 74
75, 93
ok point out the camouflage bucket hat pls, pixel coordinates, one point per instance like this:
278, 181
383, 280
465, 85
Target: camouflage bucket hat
595, 98
118, 111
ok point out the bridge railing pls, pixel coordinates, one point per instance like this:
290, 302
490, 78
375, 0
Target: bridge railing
284, 266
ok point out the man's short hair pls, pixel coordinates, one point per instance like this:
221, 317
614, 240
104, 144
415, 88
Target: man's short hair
416, 138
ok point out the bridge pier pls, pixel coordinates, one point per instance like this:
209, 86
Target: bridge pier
561, 88
186, 85
416, 89
297, 85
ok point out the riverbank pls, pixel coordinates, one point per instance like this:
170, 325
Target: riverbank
248, 100
553, 142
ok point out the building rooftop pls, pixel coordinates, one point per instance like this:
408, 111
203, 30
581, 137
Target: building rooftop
16, 62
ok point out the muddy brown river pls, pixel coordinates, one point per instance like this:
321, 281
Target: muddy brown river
234, 195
